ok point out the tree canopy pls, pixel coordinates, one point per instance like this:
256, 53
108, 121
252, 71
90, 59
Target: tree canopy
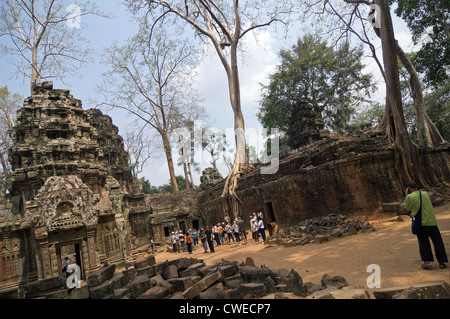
330, 79
429, 22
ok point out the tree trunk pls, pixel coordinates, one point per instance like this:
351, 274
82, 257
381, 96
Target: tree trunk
186, 177
168, 151
190, 175
34, 73
241, 159
432, 135
408, 162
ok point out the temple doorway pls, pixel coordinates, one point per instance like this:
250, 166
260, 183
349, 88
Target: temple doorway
269, 212
71, 250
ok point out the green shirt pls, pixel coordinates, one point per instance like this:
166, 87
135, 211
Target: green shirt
412, 203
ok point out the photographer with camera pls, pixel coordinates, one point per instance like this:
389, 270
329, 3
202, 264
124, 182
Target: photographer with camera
416, 201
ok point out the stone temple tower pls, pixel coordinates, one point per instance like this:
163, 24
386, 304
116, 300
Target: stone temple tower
66, 198
53, 137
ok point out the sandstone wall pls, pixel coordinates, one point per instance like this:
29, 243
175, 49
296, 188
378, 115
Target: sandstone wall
349, 176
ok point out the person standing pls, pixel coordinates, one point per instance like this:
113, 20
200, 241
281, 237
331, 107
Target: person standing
215, 230
414, 201
204, 240
224, 233
189, 243
209, 239
220, 233
261, 228
242, 231
229, 230
254, 229
152, 245
182, 241
66, 266
236, 232
194, 235
174, 239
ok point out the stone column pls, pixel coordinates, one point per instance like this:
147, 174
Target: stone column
44, 269
93, 262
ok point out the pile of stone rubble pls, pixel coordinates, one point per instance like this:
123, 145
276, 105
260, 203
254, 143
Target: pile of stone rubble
322, 229
191, 278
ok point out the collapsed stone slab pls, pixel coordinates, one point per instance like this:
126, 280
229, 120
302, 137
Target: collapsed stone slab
322, 229
424, 290
99, 276
190, 278
145, 262
202, 285
347, 292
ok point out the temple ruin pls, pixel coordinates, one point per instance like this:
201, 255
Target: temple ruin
71, 192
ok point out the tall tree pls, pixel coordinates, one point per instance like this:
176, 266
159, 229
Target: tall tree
45, 35
223, 24
355, 23
429, 22
393, 121
9, 104
313, 72
152, 80
139, 148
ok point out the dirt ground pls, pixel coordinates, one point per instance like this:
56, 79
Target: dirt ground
392, 247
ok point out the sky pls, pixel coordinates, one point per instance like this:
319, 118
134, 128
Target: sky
259, 62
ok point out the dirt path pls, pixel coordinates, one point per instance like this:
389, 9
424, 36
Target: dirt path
392, 247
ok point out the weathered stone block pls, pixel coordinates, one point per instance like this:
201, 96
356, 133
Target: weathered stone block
131, 273
107, 288
147, 271
229, 270
99, 276
203, 271
214, 292
181, 284
157, 292
121, 292
347, 292
192, 270
295, 284
80, 293
253, 274
171, 272
160, 268
335, 281
59, 294
425, 290
139, 285
184, 263
248, 290
145, 262
102, 291
202, 285
233, 281
42, 287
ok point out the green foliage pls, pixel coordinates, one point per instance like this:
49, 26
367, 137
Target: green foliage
430, 18
328, 78
438, 109
147, 188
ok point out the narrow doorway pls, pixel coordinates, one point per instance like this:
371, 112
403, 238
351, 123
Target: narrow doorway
195, 224
182, 225
270, 213
73, 252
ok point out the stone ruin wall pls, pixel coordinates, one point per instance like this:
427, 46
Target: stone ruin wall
70, 192
348, 175
174, 212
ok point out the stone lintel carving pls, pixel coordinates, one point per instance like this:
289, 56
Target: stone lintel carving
63, 202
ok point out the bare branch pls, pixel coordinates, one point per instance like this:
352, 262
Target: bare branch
367, 2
